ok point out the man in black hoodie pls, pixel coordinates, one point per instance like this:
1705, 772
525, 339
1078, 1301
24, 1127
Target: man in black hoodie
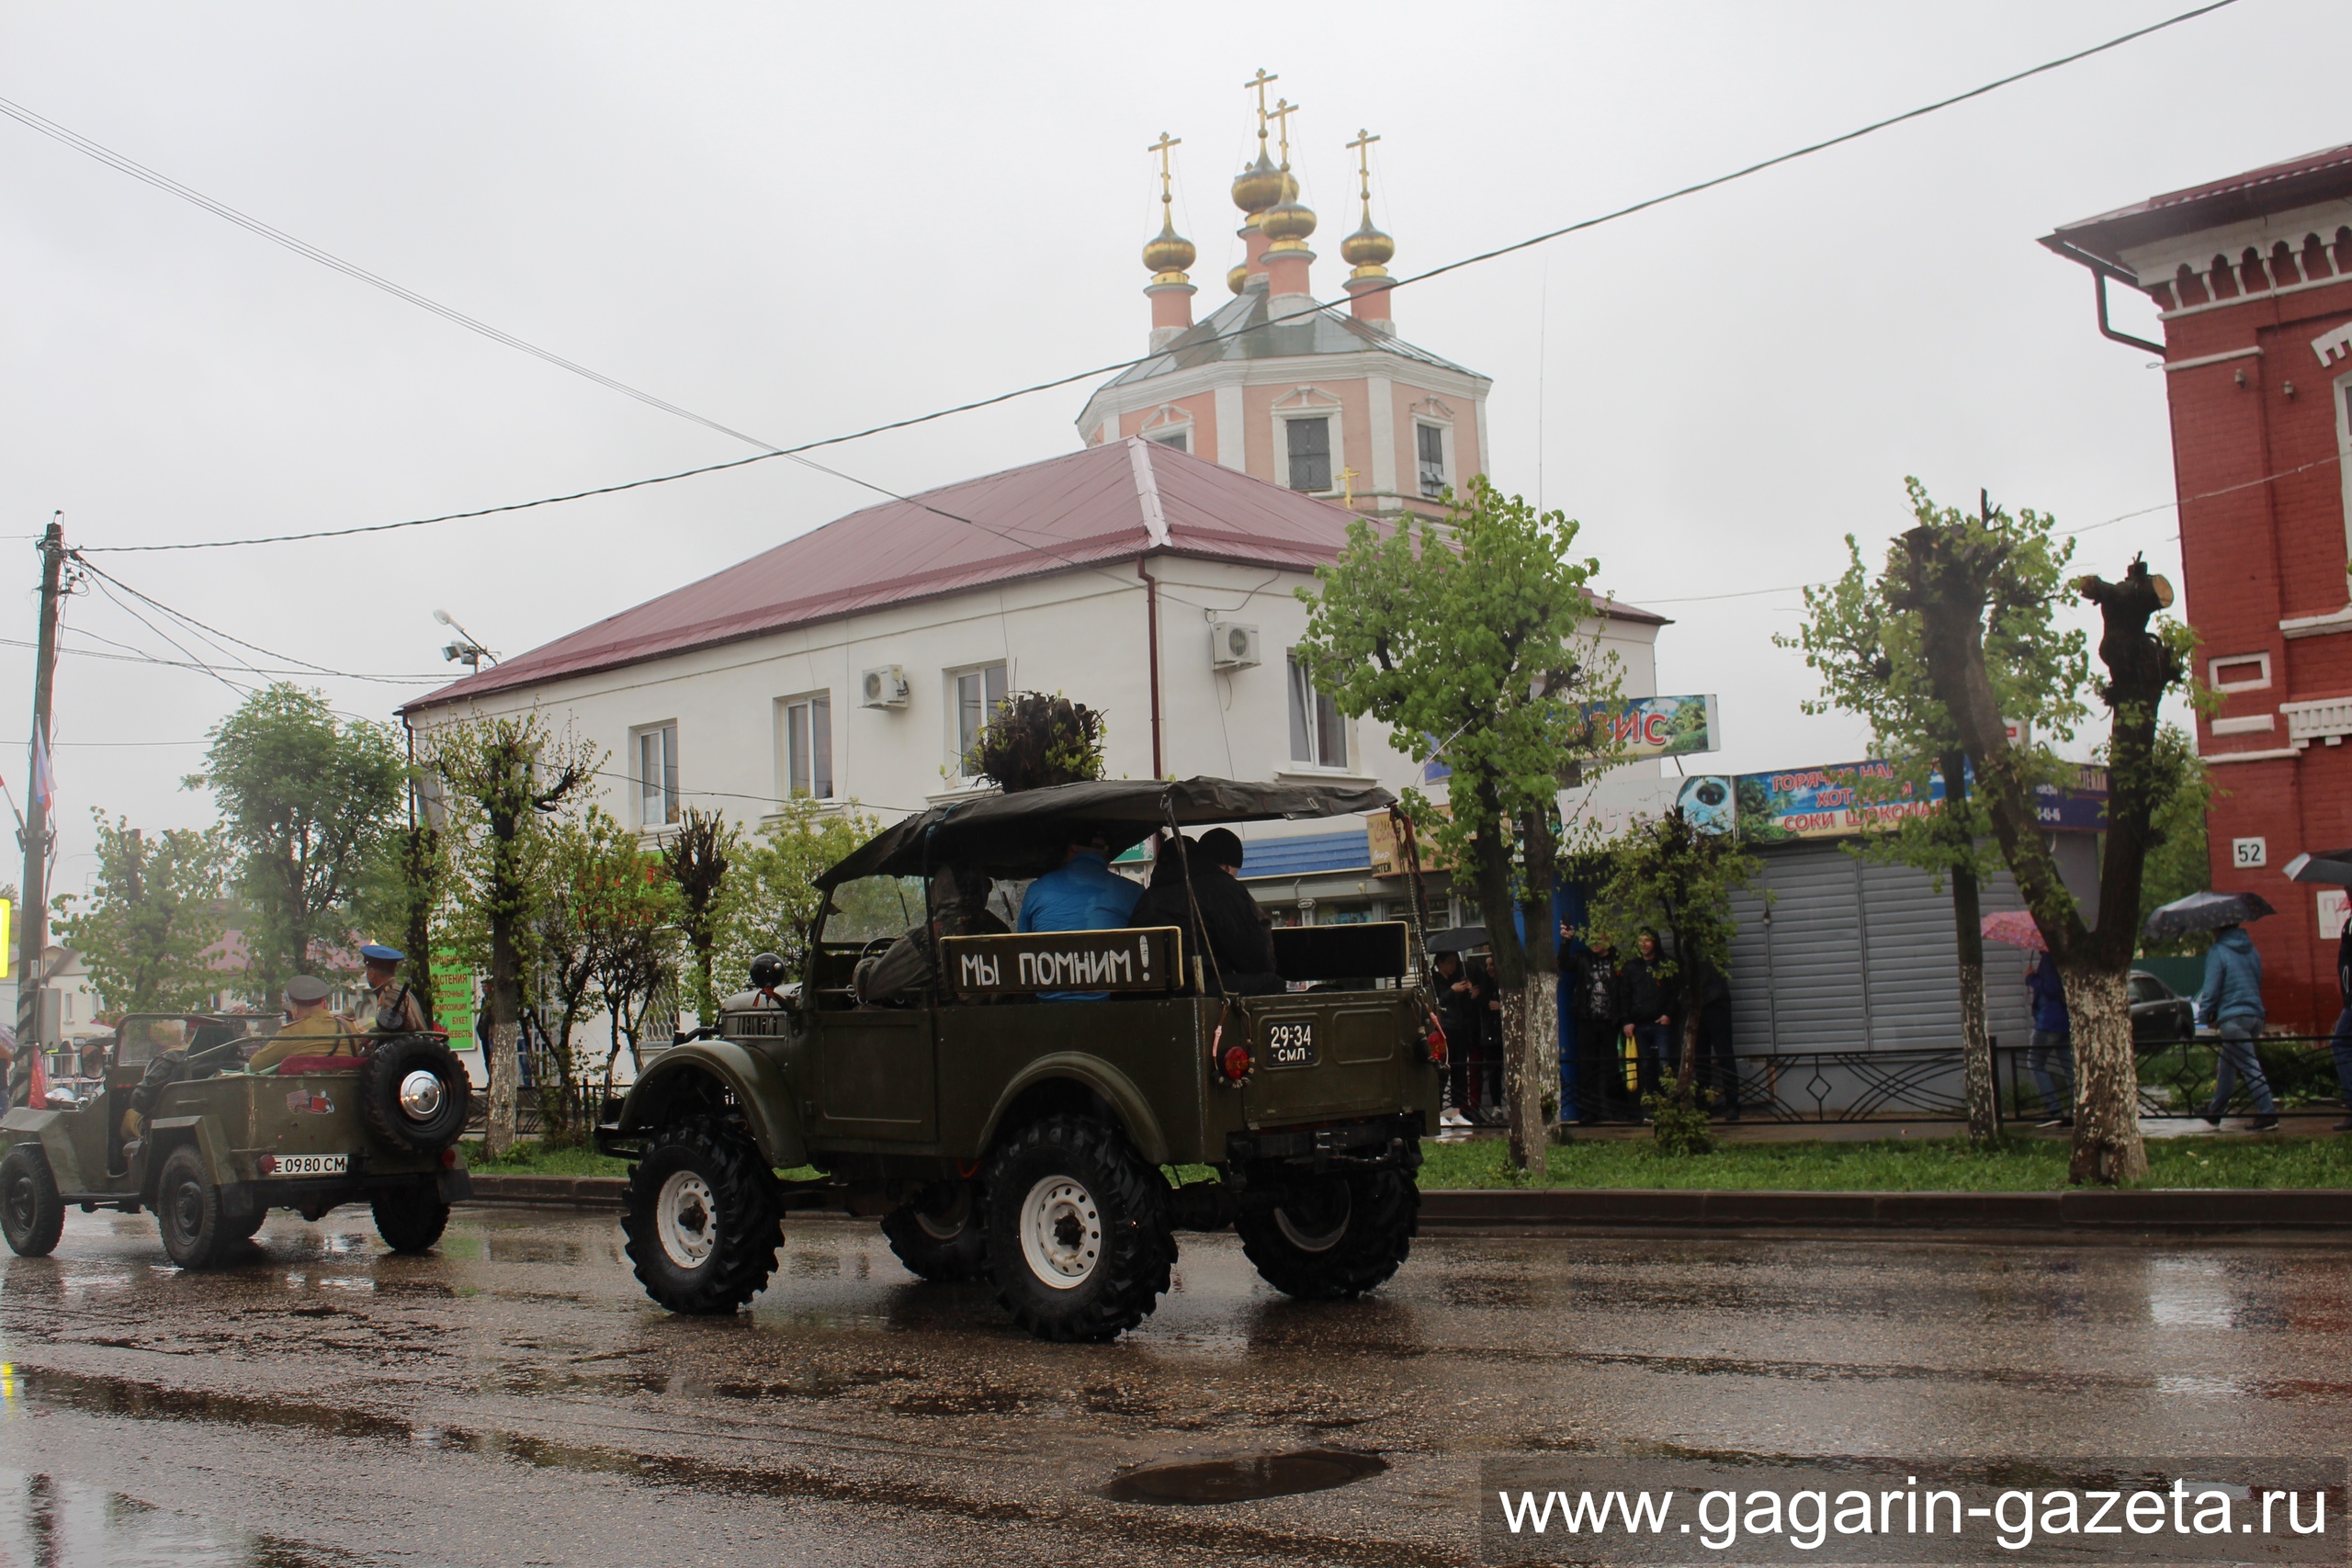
1239, 936
1648, 1022
1594, 997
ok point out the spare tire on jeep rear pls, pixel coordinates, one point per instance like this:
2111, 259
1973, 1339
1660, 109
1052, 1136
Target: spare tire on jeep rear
414, 1094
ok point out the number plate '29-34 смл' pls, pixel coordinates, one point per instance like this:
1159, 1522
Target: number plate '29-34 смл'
1290, 1044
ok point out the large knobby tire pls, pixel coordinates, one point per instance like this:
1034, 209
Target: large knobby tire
411, 1218
30, 1213
1078, 1238
197, 1235
413, 1094
1334, 1235
943, 1235
701, 1216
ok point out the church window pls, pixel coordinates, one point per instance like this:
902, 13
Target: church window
1171, 438
657, 776
808, 746
1310, 453
979, 693
1430, 443
1318, 734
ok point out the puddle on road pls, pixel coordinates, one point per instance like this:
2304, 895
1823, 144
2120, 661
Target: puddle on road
1245, 1479
64, 1524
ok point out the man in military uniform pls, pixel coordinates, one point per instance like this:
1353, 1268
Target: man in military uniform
314, 1030
388, 1005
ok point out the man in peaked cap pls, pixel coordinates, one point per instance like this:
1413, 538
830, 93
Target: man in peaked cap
313, 1029
388, 1005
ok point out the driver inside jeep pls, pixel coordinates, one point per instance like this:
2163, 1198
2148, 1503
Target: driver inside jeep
316, 1031
902, 972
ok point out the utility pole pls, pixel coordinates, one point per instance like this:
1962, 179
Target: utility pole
32, 917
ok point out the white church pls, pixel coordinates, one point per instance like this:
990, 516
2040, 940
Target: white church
1150, 574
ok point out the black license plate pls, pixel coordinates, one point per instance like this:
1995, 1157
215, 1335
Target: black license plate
1290, 1044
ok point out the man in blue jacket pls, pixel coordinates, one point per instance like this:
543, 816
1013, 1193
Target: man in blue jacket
1082, 894
2230, 1000
2052, 1059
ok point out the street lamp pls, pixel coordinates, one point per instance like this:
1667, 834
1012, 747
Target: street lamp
466, 649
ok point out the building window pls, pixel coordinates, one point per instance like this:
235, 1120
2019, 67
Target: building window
1429, 441
657, 776
1317, 737
808, 746
1310, 453
977, 694
1176, 438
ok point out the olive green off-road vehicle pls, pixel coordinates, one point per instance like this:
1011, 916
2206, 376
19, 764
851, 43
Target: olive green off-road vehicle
217, 1146
1022, 1139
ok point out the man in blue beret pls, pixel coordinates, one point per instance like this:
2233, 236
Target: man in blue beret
388, 1005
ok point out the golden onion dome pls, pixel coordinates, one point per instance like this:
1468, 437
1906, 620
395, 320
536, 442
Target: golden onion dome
1168, 250
1238, 278
1287, 225
1367, 247
1261, 185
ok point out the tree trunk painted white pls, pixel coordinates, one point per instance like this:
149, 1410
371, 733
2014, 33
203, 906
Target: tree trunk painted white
1523, 1082
2107, 1149
498, 1131
1543, 1008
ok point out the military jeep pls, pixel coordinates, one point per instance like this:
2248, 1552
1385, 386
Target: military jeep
217, 1146
1000, 1135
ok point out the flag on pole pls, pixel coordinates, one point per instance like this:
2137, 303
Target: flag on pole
44, 777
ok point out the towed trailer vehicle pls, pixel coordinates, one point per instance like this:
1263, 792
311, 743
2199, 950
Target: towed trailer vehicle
999, 1135
222, 1145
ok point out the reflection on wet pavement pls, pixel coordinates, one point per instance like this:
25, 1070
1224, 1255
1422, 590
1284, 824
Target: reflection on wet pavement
514, 1397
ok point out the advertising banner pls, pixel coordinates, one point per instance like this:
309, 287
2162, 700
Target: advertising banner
1662, 726
1846, 798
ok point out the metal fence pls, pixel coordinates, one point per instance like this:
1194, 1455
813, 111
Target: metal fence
2176, 1081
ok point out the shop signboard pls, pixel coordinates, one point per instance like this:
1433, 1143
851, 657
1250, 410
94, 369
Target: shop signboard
453, 1001
1848, 799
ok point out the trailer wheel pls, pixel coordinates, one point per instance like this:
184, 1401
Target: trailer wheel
30, 1212
410, 1219
1335, 1236
942, 1236
1078, 1238
701, 1216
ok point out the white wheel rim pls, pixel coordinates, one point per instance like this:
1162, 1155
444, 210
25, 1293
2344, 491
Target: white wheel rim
948, 1226
1307, 1240
1061, 1232
686, 1217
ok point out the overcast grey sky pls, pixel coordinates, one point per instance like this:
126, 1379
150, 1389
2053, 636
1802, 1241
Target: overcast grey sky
800, 220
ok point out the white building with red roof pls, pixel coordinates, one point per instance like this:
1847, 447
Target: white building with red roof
1151, 576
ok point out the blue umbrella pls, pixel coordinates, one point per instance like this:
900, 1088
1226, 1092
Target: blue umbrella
2206, 912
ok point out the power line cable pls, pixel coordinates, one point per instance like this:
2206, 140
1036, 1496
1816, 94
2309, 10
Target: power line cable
93, 150
253, 647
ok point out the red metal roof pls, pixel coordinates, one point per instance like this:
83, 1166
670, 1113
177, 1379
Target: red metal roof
2277, 188
1088, 509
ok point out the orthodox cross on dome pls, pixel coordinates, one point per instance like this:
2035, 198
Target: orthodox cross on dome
1284, 108
1161, 147
1259, 82
1362, 148
1348, 478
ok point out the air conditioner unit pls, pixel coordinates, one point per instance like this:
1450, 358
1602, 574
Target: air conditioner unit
1232, 646
884, 687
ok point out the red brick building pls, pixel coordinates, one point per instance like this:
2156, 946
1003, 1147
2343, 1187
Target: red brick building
2253, 277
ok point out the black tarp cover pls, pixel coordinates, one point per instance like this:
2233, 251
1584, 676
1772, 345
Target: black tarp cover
1024, 834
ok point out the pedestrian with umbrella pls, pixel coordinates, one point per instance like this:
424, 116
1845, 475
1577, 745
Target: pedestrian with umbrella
2051, 1058
2334, 868
2231, 998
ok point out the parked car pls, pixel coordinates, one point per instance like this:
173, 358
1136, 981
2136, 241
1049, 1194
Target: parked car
2160, 1015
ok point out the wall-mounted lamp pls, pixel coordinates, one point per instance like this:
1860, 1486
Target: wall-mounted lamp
2239, 378
2288, 388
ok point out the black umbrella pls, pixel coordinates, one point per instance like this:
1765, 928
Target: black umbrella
2206, 912
2332, 867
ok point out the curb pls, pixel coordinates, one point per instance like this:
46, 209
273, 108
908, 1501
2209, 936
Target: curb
1507, 1210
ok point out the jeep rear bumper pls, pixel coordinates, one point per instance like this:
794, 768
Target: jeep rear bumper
1383, 1143
314, 1195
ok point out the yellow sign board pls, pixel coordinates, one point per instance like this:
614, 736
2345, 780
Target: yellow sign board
7, 938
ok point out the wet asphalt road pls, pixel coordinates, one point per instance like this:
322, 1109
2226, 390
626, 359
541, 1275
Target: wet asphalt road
513, 1399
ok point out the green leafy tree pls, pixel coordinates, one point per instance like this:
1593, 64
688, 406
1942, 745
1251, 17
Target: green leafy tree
1960, 575
698, 856
144, 928
1468, 638
635, 953
501, 778
1868, 654
1666, 874
1033, 741
306, 799
774, 900
595, 874
2178, 863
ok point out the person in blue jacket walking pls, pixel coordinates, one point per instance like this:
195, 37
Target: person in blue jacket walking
2230, 1000
2052, 1059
